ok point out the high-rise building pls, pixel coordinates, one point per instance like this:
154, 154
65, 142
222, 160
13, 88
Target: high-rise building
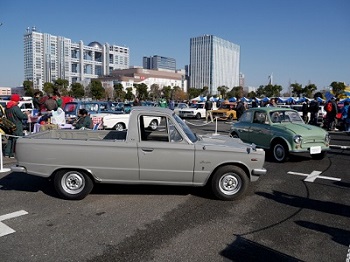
48, 57
159, 62
214, 62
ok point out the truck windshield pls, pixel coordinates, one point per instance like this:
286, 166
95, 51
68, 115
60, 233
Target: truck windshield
186, 129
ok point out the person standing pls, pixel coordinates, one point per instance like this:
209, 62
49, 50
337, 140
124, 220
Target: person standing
305, 110
36, 101
240, 108
50, 103
208, 110
15, 115
346, 116
332, 110
313, 109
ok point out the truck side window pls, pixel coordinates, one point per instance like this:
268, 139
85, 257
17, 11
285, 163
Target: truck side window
153, 128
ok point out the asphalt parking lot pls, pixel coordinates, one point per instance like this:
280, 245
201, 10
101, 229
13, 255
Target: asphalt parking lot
299, 211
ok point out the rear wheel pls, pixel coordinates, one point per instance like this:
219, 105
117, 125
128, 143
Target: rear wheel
229, 182
73, 184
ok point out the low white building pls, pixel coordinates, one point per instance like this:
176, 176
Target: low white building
137, 75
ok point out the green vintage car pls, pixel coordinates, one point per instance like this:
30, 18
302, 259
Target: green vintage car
282, 131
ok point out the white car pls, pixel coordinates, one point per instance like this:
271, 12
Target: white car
180, 106
196, 110
121, 122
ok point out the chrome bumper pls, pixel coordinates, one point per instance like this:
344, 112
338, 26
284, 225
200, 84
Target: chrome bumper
259, 172
18, 169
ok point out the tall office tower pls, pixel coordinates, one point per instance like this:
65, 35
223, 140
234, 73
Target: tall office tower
214, 62
48, 57
159, 62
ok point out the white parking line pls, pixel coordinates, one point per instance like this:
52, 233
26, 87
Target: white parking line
5, 230
313, 175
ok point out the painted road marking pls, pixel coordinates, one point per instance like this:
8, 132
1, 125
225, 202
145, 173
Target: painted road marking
313, 175
5, 230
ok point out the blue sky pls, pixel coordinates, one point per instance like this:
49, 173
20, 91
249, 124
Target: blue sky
296, 40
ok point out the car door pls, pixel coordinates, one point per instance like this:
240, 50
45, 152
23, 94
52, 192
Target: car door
260, 130
164, 155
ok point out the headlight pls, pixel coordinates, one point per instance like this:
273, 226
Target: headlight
327, 138
298, 139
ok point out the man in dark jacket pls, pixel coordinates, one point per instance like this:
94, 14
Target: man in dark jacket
84, 120
15, 115
240, 108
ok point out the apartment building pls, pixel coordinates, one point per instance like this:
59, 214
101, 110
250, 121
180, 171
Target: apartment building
48, 57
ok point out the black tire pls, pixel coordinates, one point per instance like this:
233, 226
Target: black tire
234, 135
280, 151
153, 125
229, 183
230, 117
73, 184
319, 156
198, 116
119, 127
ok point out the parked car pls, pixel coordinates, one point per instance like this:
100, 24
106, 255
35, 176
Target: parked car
226, 111
180, 106
170, 155
282, 131
96, 109
195, 110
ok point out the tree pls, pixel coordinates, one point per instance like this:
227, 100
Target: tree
166, 91
338, 88
193, 92
77, 90
97, 90
155, 91
179, 94
141, 91
309, 90
28, 88
236, 91
48, 88
223, 90
129, 95
297, 89
60, 86
272, 90
205, 91
119, 93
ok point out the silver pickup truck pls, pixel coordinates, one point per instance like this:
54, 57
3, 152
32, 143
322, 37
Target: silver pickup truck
170, 155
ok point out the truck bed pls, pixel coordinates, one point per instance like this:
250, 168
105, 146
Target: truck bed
63, 134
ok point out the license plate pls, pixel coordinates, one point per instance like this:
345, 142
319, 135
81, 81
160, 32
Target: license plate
315, 150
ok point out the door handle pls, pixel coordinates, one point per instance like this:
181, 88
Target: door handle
147, 149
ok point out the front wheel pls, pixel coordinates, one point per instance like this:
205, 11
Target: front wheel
280, 152
198, 116
119, 127
153, 125
229, 182
73, 184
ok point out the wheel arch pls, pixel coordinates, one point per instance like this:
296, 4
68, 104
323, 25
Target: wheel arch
237, 164
86, 171
280, 140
